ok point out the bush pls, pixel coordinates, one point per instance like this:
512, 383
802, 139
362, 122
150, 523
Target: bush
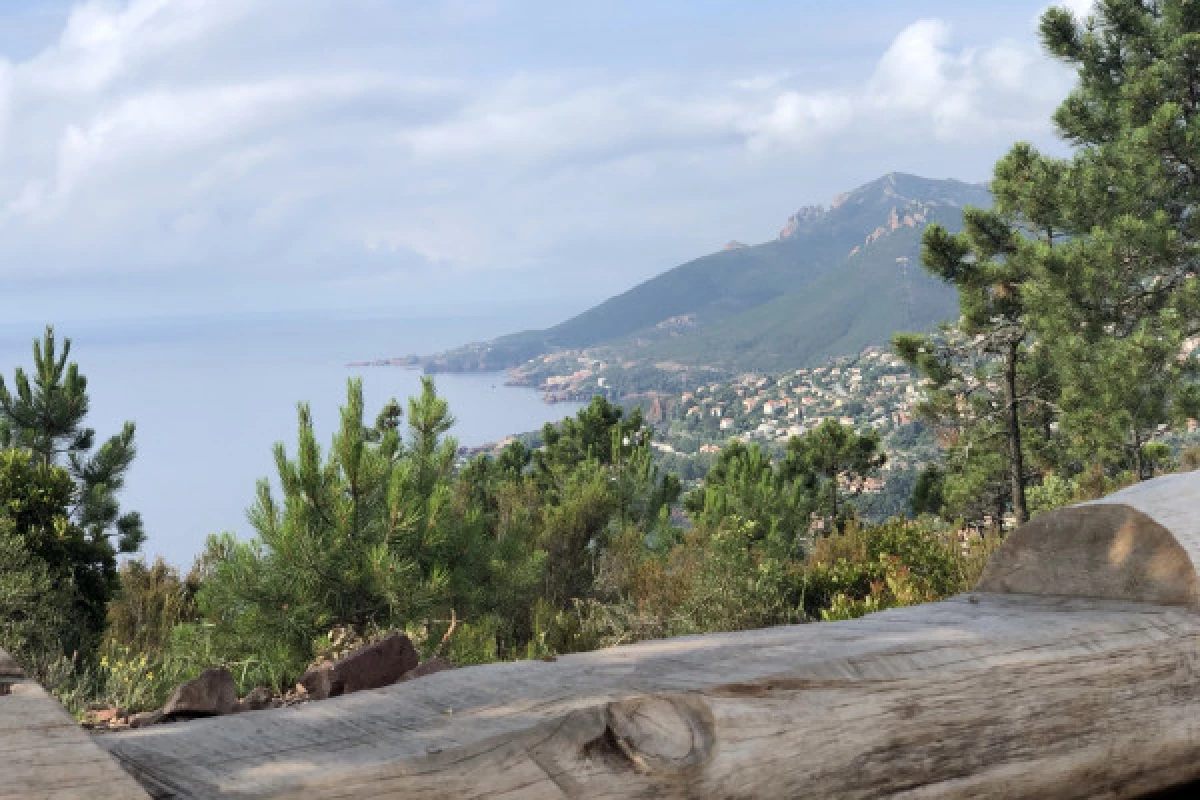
150, 602
895, 564
33, 609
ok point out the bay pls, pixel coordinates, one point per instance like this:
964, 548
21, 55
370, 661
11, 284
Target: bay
211, 395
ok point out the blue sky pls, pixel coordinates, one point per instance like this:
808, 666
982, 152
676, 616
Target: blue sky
460, 157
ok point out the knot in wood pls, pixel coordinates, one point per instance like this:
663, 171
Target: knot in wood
658, 734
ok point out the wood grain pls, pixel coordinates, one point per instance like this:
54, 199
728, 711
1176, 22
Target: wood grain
1005, 697
45, 755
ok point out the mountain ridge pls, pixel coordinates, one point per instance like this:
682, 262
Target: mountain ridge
742, 303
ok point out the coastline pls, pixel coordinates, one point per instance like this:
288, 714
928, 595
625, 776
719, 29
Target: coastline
513, 377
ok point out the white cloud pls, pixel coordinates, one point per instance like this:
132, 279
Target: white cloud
319, 145
1080, 8
103, 42
925, 87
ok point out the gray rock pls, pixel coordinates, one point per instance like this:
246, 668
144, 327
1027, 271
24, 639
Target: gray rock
209, 694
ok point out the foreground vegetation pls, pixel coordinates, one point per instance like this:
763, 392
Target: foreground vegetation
1074, 355
532, 553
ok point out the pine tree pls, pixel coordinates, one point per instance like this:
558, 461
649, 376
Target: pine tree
775, 500
45, 416
589, 434
331, 550
835, 453
974, 379
1120, 298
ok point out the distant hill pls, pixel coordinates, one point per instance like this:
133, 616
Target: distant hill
835, 280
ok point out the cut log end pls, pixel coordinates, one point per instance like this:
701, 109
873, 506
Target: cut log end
1108, 550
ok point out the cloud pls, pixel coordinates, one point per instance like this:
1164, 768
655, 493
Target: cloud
923, 86
101, 43
297, 149
1080, 8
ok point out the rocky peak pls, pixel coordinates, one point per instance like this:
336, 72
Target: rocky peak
913, 214
794, 222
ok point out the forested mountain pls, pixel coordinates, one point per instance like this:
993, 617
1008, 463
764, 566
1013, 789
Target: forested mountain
836, 278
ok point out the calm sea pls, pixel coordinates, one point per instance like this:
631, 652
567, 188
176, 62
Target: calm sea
211, 395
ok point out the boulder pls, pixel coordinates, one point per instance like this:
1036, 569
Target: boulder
317, 683
209, 694
379, 664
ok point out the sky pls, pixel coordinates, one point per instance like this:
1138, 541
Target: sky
169, 157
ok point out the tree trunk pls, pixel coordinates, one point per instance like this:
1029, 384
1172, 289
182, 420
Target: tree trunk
1016, 460
1139, 464
837, 524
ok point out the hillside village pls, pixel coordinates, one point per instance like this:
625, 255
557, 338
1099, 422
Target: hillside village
873, 390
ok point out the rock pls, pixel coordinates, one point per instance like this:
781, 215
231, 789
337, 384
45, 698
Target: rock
379, 664
146, 718
209, 694
427, 667
103, 715
317, 683
259, 698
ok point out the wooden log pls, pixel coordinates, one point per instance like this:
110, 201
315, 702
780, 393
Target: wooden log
1141, 543
1013, 692
45, 755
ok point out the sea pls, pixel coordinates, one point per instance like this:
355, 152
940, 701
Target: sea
211, 395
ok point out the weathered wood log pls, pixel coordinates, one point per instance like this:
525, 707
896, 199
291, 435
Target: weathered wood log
45, 755
1073, 673
1141, 543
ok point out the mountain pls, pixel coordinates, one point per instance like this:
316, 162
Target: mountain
835, 280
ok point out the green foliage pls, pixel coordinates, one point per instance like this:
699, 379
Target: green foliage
151, 601
598, 433
58, 497
736, 584
384, 533
1119, 298
35, 507
778, 499
835, 454
33, 611
895, 564
475, 643
975, 383
775, 500
929, 493
353, 542
573, 530
1053, 492
45, 417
